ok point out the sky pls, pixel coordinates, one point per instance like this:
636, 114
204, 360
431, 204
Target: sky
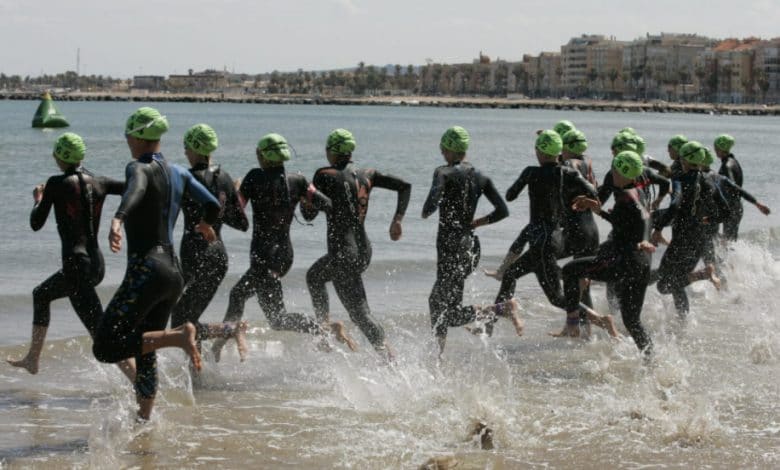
162, 37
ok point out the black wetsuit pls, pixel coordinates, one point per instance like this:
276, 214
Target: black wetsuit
580, 232
349, 250
550, 188
731, 169
455, 191
153, 280
77, 197
619, 262
205, 264
645, 182
274, 195
694, 198
730, 192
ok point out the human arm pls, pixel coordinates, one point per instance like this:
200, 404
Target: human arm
664, 184
404, 191
43, 197
662, 169
670, 213
519, 184
434, 195
606, 188
115, 187
233, 211
500, 210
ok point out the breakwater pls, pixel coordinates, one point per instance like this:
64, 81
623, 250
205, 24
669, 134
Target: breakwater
441, 102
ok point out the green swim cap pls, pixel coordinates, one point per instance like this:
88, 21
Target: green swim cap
677, 141
575, 142
69, 148
341, 142
628, 130
628, 164
455, 139
562, 127
274, 147
201, 139
724, 142
709, 157
693, 153
549, 143
146, 124
624, 141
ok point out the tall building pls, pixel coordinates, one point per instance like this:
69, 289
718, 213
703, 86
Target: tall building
542, 75
767, 70
662, 65
729, 71
588, 61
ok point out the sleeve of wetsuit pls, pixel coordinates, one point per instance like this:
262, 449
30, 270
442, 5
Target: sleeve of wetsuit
582, 185
663, 183
40, 211
745, 195
518, 186
606, 188
320, 180
203, 196
723, 210
667, 216
434, 195
135, 188
233, 214
500, 210
403, 189
113, 186
605, 215
659, 167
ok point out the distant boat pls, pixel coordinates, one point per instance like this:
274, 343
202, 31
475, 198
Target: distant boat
47, 115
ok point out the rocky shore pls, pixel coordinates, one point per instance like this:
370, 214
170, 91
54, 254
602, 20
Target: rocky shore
442, 102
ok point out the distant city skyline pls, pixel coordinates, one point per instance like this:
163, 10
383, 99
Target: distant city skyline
172, 36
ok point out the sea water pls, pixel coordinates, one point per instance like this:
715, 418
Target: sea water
709, 400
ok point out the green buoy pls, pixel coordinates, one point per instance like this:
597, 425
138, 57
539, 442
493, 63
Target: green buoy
47, 115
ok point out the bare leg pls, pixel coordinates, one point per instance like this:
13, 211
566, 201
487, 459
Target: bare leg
127, 367
510, 309
340, 332
182, 337
31, 360
145, 406
223, 332
498, 274
603, 321
708, 273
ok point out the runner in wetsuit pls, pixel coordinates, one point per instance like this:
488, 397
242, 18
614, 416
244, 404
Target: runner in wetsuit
134, 321
77, 196
730, 192
580, 232
623, 260
730, 168
695, 204
674, 146
622, 142
349, 250
456, 189
205, 264
549, 184
274, 195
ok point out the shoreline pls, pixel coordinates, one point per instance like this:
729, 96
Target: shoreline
424, 101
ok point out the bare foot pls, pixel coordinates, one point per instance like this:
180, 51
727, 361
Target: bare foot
216, 348
568, 331
386, 352
711, 276
27, 363
190, 345
340, 332
608, 323
512, 308
239, 333
494, 274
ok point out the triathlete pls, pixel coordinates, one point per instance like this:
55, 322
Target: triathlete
549, 186
696, 202
77, 196
455, 191
274, 195
349, 250
623, 260
580, 232
133, 324
205, 264
730, 168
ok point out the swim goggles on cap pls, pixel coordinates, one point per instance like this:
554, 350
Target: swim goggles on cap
143, 126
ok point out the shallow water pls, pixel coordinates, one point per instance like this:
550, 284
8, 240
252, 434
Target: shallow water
710, 399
